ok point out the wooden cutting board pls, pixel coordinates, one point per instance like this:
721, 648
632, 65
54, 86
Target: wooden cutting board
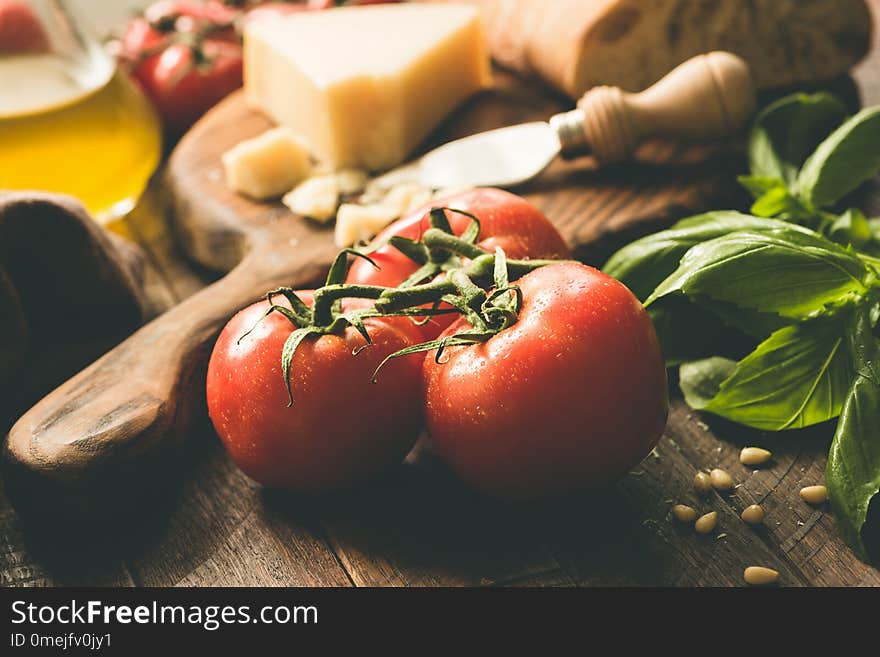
596, 209
101, 436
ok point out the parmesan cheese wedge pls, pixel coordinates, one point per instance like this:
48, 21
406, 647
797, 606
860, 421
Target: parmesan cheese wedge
365, 85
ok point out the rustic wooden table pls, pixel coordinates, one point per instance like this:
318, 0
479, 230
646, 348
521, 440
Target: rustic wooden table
420, 527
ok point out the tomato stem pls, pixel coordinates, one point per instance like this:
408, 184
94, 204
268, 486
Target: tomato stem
480, 271
326, 297
442, 244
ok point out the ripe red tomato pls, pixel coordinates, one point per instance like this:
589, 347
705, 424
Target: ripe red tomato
571, 396
20, 29
183, 86
212, 12
341, 428
329, 4
184, 80
506, 220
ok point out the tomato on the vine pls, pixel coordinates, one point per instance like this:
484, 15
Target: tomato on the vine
341, 428
570, 396
183, 82
506, 220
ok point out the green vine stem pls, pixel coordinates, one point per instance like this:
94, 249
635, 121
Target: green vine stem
488, 314
480, 271
438, 240
326, 297
465, 288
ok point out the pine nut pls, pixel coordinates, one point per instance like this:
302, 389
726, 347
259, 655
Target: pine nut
760, 576
706, 523
753, 514
684, 513
814, 494
754, 456
720, 479
702, 482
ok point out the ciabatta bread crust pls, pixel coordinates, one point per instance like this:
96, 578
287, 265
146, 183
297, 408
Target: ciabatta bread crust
578, 44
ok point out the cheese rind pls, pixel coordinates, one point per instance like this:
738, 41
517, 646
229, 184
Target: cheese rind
365, 85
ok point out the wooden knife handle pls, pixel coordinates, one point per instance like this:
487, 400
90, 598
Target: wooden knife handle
708, 97
98, 434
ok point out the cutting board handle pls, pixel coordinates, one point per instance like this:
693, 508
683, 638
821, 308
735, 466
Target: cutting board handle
94, 434
707, 97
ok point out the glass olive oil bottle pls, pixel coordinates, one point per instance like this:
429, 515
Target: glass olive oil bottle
70, 122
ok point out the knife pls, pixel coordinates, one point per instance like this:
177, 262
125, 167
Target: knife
709, 96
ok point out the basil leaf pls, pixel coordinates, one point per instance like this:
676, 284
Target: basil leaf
851, 227
788, 130
874, 225
700, 380
853, 470
688, 332
750, 322
775, 201
643, 264
758, 186
797, 377
848, 157
792, 271
716, 222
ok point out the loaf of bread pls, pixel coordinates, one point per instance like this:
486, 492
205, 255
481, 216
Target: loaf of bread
578, 44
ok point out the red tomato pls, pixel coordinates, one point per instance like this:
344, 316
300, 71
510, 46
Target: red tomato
341, 428
506, 220
329, 4
571, 396
183, 81
140, 39
183, 88
212, 12
20, 29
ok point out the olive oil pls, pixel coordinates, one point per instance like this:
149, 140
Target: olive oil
99, 144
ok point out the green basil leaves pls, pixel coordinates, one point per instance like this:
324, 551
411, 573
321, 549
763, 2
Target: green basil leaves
848, 157
787, 131
853, 470
772, 317
645, 263
797, 377
793, 273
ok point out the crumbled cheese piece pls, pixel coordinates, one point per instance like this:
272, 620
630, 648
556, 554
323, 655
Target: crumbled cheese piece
355, 223
351, 181
407, 197
316, 198
268, 165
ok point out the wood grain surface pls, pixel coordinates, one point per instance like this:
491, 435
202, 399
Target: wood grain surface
419, 526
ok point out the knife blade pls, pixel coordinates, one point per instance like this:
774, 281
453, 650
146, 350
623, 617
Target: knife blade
503, 157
